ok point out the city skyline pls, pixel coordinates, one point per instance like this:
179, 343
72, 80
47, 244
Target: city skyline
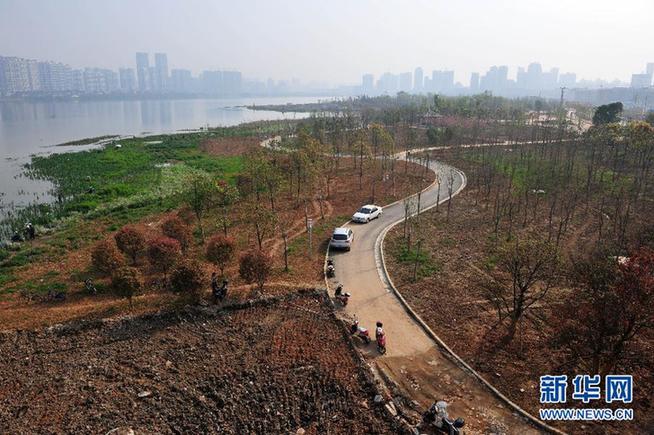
335, 42
29, 76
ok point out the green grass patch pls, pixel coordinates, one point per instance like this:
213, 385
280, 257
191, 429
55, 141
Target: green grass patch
427, 266
21, 258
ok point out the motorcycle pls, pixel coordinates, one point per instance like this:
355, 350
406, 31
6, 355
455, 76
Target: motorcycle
330, 270
55, 296
89, 287
341, 296
360, 332
436, 416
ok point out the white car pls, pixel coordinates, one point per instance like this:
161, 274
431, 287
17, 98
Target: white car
367, 213
342, 238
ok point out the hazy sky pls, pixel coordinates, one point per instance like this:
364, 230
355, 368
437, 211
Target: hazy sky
337, 40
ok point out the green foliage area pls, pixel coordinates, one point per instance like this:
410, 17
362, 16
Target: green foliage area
114, 186
607, 113
427, 266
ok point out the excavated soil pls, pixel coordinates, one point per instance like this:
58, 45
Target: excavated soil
274, 366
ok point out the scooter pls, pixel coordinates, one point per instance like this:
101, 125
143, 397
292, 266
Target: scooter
360, 332
436, 417
340, 295
330, 270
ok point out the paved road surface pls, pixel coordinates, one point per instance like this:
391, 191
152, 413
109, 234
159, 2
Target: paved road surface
413, 359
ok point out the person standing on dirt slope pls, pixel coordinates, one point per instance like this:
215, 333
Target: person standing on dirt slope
215, 289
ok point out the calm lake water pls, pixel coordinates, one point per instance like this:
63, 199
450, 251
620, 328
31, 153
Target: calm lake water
28, 128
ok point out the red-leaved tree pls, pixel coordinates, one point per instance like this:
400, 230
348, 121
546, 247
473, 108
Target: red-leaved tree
163, 252
131, 241
220, 251
105, 257
254, 267
187, 277
177, 229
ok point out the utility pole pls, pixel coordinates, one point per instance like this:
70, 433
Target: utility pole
310, 228
563, 88
563, 115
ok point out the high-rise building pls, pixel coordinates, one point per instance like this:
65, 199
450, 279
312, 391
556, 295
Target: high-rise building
641, 80
388, 83
212, 82
418, 80
180, 81
100, 81
650, 68
19, 75
127, 80
3, 77
568, 80
160, 72
405, 82
77, 78
143, 71
474, 82
442, 81
367, 84
54, 77
550, 79
232, 83
534, 76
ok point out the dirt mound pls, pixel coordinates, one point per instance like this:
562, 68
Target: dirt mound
253, 368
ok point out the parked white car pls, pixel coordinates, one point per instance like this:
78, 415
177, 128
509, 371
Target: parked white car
367, 213
342, 238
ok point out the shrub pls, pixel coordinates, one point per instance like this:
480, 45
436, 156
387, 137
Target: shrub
187, 278
163, 252
131, 241
106, 258
185, 214
175, 228
220, 250
127, 281
254, 267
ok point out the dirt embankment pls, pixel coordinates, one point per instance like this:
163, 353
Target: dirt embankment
254, 368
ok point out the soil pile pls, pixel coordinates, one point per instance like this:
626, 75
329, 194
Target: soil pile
272, 367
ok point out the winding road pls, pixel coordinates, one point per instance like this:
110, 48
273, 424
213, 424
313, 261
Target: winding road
421, 366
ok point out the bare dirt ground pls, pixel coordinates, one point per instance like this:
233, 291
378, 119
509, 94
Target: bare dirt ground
248, 369
229, 146
450, 301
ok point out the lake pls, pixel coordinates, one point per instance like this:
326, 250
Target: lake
28, 128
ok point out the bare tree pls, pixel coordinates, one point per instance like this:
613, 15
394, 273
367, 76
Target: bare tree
525, 272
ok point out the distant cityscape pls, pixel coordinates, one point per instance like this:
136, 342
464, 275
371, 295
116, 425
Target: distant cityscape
20, 77
530, 81
29, 77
